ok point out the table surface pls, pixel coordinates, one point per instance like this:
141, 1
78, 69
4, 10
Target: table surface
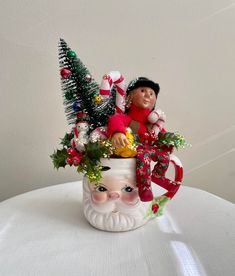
44, 232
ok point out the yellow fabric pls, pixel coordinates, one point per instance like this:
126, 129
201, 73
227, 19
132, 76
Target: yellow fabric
128, 150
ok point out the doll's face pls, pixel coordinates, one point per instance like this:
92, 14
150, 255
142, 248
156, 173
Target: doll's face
143, 97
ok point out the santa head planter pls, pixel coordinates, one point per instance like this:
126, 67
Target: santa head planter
120, 145
113, 204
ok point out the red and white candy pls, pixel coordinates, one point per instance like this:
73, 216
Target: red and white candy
157, 118
114, 78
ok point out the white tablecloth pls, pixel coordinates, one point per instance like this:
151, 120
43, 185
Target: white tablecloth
43, 232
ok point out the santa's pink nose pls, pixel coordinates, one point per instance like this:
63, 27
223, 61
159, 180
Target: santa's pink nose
114, 195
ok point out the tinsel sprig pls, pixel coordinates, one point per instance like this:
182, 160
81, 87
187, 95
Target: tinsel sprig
91, 168
174, 139
91, 164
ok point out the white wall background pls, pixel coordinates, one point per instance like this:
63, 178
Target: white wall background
185, 45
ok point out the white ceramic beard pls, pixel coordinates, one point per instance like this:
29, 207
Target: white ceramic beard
118, 207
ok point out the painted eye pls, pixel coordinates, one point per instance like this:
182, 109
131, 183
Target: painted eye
142, 90
127, 189
101, 189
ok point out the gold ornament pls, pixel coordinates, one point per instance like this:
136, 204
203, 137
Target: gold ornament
98, 99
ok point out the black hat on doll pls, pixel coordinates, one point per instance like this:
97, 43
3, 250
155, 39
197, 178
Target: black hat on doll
143, 82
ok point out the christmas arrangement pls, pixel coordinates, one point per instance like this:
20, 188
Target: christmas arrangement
113, 120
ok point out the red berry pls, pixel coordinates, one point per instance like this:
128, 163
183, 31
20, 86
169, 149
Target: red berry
76, 160
69, 161
71, 152
155, 208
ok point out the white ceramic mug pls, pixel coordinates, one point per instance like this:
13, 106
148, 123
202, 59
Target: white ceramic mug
113, 204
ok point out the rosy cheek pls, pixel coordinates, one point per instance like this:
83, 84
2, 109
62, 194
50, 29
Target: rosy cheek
99, 197
130, 198
152, 102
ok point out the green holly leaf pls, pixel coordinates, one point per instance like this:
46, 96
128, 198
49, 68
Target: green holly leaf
161, 201
59, 158
66, 140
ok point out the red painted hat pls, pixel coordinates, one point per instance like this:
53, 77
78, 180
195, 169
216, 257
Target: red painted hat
82, 117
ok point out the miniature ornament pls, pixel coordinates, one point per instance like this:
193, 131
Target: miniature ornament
80, 136
116, 79
65, 73
71, 54
98, 99
76, 106
81, 132
88, 77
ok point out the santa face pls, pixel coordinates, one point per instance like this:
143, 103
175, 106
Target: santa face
113, 204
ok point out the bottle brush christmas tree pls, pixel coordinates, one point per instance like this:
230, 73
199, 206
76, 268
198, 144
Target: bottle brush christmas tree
80, 90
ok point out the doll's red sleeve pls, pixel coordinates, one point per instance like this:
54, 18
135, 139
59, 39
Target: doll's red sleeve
118, 123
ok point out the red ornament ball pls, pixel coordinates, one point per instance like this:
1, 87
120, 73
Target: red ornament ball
65, 73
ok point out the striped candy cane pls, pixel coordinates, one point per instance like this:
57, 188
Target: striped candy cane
172, 186
114, 78
158, 118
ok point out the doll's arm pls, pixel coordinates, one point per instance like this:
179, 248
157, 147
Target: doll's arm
119, 140
117, 125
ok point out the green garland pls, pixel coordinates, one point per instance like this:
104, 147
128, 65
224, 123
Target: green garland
174, 139
90, 163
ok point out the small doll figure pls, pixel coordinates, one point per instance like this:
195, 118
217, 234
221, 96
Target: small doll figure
80, 132
142, 116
